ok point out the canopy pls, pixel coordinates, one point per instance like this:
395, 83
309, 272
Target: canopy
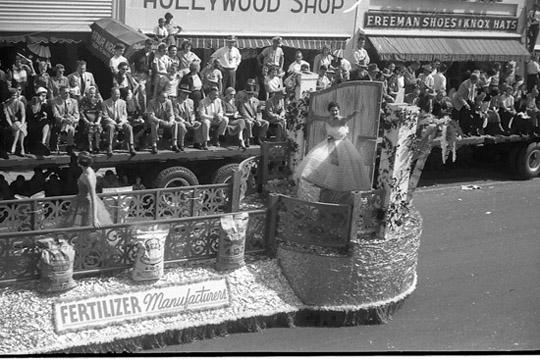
253, 42
107, 33
448, 49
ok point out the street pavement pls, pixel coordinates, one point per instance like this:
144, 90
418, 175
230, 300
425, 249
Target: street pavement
478, 283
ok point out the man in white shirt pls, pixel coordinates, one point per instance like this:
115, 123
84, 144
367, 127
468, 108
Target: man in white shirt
114, 112
230, 58
533, 68
439, 79
117, 58
360, 55
273, 55
160, 66
426, 79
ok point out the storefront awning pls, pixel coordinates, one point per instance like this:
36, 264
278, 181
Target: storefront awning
107, 33
448, 49
42, 38
253, 42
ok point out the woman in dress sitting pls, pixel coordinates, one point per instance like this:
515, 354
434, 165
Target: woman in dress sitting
15, 113
335, 163
40, 120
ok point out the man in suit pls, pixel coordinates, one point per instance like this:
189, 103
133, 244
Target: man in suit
251, 113
160, 113
211, 113
184, 114
275, 113
115, 119
81, 79
66, 116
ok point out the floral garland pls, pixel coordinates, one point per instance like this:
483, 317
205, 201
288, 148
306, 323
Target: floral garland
296, 113
447, 133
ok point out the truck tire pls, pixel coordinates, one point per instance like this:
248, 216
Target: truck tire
528, 161
225, 173
175, 177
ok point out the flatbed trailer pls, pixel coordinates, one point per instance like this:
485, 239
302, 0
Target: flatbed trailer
522, 152
164, 169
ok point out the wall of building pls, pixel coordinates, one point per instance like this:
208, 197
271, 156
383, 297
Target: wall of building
30, 16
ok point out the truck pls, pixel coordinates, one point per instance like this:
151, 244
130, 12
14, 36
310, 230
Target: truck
162, 170
521, 152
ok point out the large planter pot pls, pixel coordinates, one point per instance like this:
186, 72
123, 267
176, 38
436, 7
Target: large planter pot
374, 273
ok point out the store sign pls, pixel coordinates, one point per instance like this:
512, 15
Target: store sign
100, 311
439, 22
253, 17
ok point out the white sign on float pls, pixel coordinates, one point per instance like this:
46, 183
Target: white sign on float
100, 311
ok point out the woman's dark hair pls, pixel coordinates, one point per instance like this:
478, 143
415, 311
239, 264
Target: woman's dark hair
85, 159
332, 104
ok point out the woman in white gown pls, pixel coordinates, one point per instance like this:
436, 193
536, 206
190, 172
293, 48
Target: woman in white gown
335, 163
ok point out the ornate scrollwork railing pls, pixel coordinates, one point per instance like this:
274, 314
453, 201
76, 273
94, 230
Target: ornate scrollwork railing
113, 247
249, 176
312, 223
124, 207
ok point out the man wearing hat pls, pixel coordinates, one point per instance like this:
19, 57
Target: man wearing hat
275, 112
184, 114
272, 55
360, 72
250, 110
243, 95
39, 123
211, 113
229, 58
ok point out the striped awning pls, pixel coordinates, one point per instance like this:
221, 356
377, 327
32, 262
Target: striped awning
311, 43
448, 49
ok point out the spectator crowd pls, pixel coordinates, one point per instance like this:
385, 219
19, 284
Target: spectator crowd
163, 98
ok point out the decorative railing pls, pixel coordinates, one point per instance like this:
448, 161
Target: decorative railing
310, 223
124, 207
113, 247
248, 176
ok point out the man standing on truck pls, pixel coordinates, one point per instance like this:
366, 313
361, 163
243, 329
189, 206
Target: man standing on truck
160, 113
229, 58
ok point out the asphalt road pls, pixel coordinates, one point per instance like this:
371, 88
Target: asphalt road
478, 282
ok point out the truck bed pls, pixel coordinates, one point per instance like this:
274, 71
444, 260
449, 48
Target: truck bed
488, 139
123, 157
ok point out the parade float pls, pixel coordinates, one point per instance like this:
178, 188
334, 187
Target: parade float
188, 263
